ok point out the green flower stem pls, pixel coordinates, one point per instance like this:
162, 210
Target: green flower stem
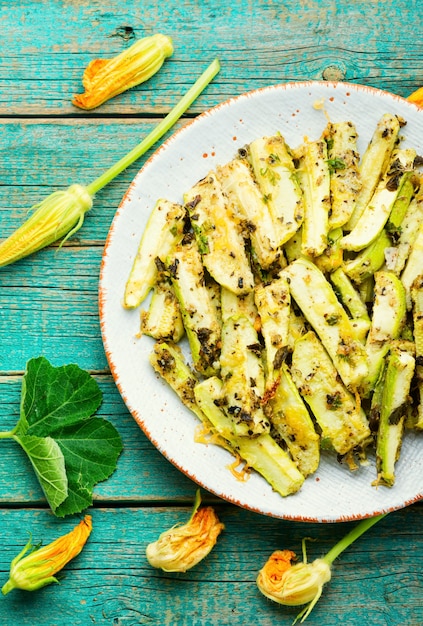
8, 587
7, 434
158, 132
354, 534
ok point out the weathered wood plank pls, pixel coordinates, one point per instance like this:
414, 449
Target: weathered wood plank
376, 581
51, 300
259, 44
48, 303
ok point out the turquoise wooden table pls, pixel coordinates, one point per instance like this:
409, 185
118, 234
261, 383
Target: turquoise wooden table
49, 305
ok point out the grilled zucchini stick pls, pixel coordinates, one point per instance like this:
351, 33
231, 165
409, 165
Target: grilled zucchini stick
198, 309
372, 258
163, 320
374, 163
246, 201
164, 229
342, 420
168, 361
275, 173
314, 177
345, 181
376, 213
332, 257
387, 321
396, 257
417, 300
317, 300
291, 422
262, 453
352, 301
234, 306
390, 402
242, 374
273, 305
413, 266
218, 235
369, 260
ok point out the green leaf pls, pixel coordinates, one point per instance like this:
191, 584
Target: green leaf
53, 397
70, 450
49, 465
91, 450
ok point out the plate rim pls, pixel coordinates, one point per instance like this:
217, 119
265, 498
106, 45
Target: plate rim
102, 298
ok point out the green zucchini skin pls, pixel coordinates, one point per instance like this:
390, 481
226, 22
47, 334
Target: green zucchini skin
342, 421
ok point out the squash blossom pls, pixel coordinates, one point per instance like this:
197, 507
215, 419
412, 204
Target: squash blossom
181, 547
62, 213
105, 78
37, 569
302, 583
416, 97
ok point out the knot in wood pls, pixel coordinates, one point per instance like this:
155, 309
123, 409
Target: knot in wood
333, 72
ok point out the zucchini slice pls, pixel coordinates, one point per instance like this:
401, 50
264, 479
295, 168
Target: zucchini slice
164, 229
273, 304
314, 177
374, 162
318, 302
291, 422
417, 300
342, 421
390, 402
242, 373
163, 320
377, 212
274, 170
387, 321
246, 201
345, 179
198, 309
218, 235
262, 453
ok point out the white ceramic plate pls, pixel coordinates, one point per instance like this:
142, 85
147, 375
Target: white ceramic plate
333, 493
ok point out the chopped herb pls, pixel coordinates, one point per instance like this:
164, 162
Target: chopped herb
273, 158
336, 164
331, 320
202, 242
334, 401
270, 174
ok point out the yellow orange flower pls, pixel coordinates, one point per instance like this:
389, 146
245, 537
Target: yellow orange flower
105, 78
38, 568
181, 547
293, 585
302, 583
61, 214
417, 97
270, 576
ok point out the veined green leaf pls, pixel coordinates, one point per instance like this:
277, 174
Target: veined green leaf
70, 450
90, 449
54, 397
49, 465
